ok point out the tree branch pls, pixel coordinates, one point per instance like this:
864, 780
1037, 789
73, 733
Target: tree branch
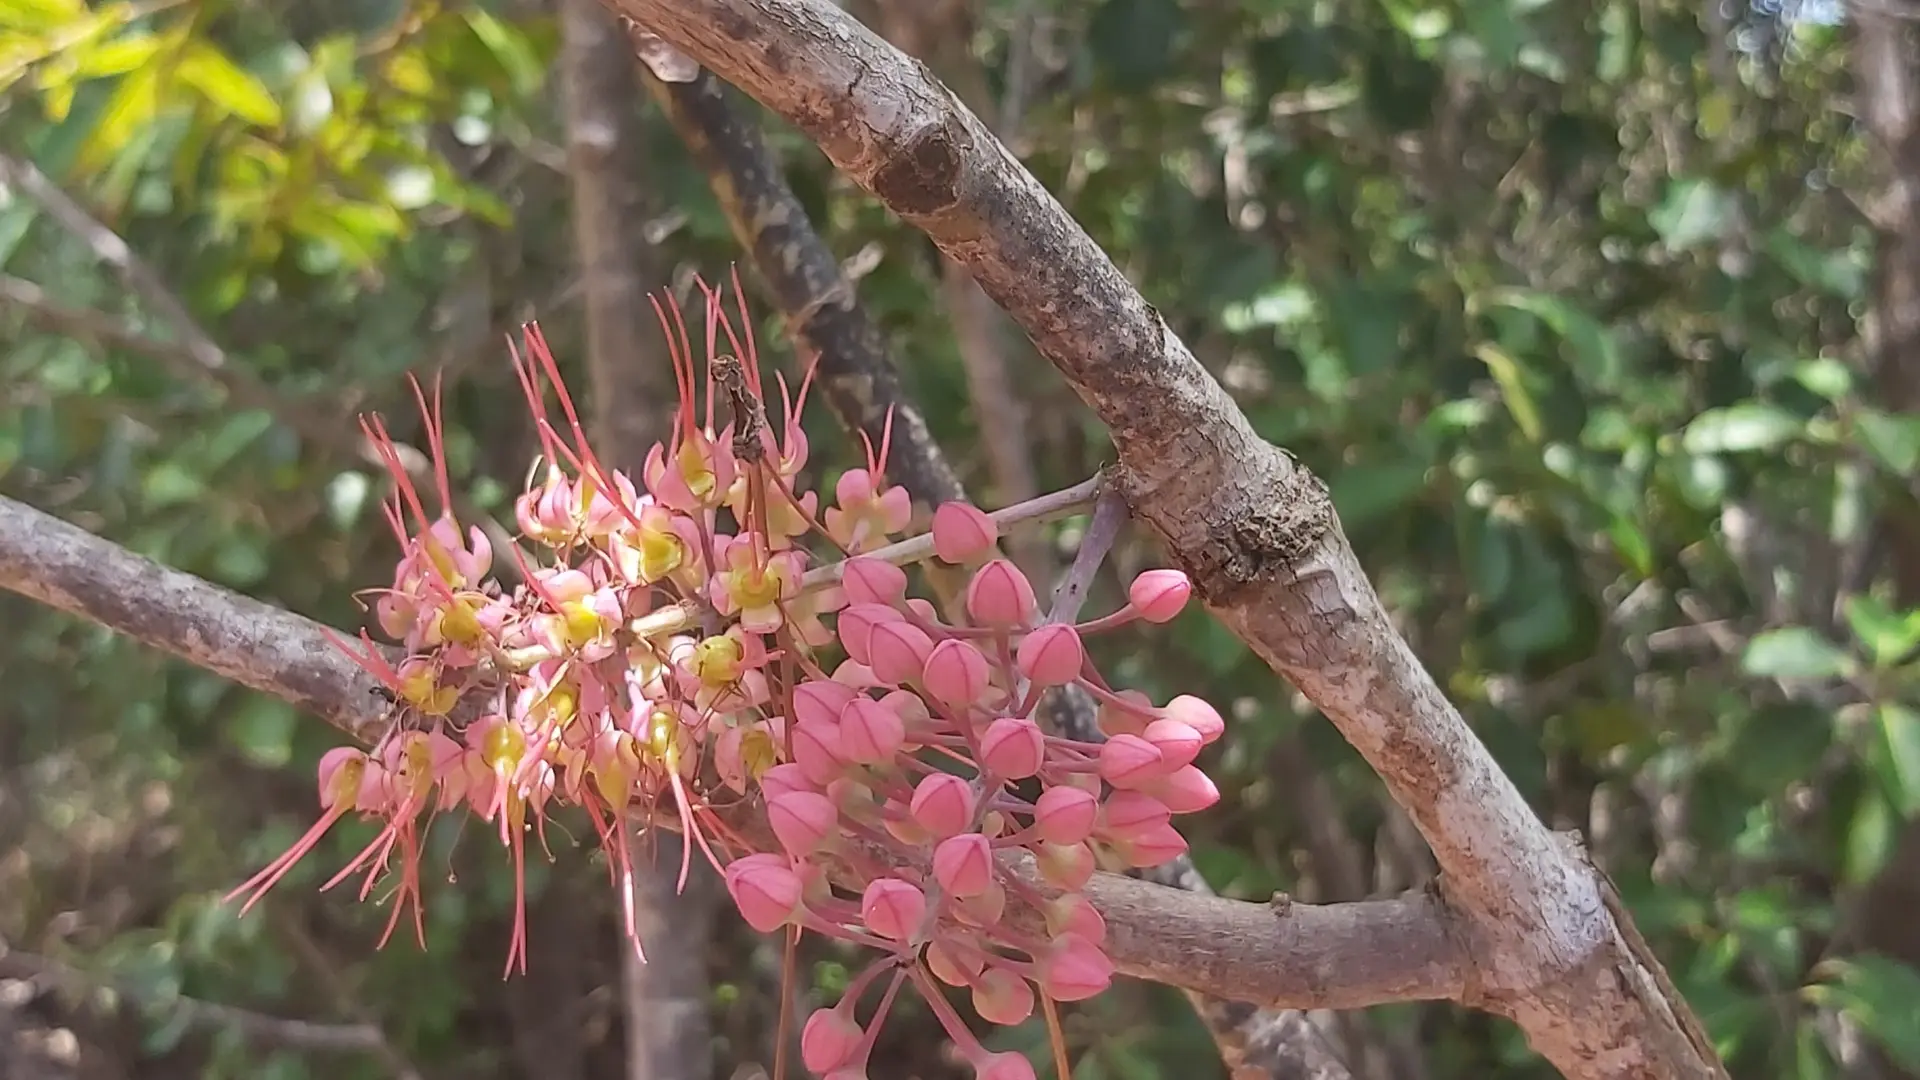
1253, 527
279, 1031
196, 357
1283, 955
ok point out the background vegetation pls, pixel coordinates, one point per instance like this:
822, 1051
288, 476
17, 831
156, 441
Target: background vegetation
1591, 312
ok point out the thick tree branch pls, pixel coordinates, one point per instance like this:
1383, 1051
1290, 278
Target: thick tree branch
1254, 528
1287, 956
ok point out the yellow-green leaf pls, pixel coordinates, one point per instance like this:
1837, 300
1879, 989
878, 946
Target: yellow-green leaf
1513, 388
135, 103
116, 57
40, 14
227, 85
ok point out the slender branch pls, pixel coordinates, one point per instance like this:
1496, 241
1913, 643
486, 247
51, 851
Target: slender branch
254, 644
279, 1031
196, 357
1254, 529
1283, 956
857, 375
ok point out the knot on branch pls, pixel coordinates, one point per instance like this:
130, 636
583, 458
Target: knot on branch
923, 176
1261, 528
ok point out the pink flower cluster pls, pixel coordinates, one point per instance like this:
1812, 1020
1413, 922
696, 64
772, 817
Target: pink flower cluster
854, 763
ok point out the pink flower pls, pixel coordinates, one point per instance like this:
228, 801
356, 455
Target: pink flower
1178, 744
962, 532
1128, 814
897, 652
1153, 847
892, 908
1001, 997
963, 864
1159, 595
1130, 761
830, 1039
999, 595
942, 804
1065, 815
1187, 790
820, 702
1013, 748
953, 962
955, 674
1074, 969
873, 581
870, 732
1051, 655
1198, 715
765, 889
802, 821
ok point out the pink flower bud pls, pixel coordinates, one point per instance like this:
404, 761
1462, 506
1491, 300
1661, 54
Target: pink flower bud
1198, 715
1185, 791
897, 652
983, 909
954, 964
942, 804
1051, 655
1064, 866
870, 732
1001, 997
816, 749
962, 532
783, 778
955, 674
1126, 761
1074, 969
1130, 814
963, 865
1118, 720
892, 908
818, 701
765, 889
830, 1040
1178, 744
923, 609
873, 581
1004, 1065
1158, 595
1013, 748
1154, 847
1072, 913
1065, 815
855, 626
1000, 595
802, 821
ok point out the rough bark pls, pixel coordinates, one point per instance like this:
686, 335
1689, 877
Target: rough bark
668, 1031
862, 385
1281, 955
1254, 528
1887, 99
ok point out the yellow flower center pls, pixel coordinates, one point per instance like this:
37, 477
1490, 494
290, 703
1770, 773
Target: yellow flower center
716, 661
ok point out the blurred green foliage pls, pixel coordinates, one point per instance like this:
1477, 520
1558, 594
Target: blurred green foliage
1562, 298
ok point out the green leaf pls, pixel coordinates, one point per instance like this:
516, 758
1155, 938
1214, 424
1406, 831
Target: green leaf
1364, 493
1795, 652
1900, 728
1596, 356
1748, 426
1878, 993
1887, 635
1694, 212
1507, 373
227, 85
1894, 441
